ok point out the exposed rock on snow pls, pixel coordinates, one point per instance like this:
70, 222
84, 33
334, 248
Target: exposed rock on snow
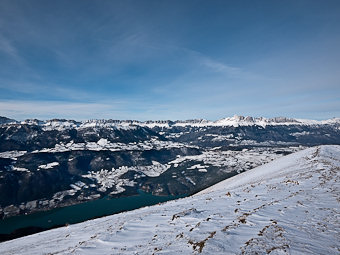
288, 206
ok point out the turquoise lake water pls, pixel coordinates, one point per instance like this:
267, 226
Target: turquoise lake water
81, 212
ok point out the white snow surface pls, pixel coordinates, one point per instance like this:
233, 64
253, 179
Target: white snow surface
49, 165
12, 154
288, 206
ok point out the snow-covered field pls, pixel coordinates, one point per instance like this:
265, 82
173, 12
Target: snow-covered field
288, 206
103, 145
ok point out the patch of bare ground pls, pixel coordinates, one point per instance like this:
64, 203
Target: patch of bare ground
198, 246
271, 238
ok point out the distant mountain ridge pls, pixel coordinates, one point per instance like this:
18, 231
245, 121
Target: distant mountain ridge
228, 121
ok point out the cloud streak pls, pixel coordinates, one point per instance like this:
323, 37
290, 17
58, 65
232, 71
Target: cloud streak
83, 110
56, 109
8, 48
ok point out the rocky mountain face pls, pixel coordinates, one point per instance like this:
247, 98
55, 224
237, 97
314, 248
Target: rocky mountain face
4, 120
54, 163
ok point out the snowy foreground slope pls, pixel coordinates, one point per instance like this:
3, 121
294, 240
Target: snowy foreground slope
288, 206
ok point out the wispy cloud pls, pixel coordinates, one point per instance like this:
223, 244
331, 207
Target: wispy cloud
139, 110
218, 66
212, 64
55, 109
7, 47
16, 60
45, 89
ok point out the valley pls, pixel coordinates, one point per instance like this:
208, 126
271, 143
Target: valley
46, 165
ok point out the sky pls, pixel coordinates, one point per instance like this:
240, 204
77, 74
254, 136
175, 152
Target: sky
169, 59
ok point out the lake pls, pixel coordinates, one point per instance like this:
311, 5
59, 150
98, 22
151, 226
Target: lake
80, 212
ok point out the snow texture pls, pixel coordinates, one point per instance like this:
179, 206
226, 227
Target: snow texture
49, 165
288, 206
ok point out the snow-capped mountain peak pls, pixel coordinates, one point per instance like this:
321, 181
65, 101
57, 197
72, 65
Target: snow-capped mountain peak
261, 121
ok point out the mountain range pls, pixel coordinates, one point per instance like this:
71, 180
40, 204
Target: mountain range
57, 163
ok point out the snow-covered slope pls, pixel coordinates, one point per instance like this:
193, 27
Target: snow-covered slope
289, 206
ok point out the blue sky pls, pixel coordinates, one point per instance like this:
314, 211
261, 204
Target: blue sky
169, 59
